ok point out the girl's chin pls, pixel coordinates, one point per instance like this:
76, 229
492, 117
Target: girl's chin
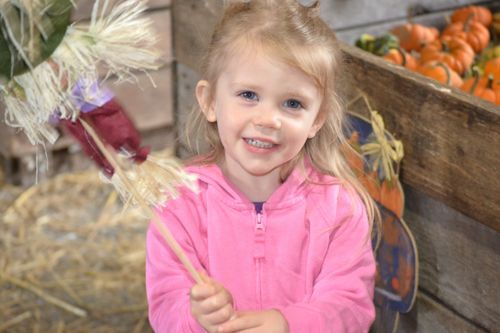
256, 170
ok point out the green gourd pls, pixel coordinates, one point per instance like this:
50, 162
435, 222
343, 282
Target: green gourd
377, 45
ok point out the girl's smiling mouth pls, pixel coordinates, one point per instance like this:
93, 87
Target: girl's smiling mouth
260, 143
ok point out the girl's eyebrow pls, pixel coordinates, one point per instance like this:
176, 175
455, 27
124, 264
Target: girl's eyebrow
291, 92
300, 95
248, 86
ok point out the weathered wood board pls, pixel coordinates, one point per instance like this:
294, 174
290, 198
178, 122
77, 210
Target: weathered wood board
428, 316
459, 259
84, 7
346, 15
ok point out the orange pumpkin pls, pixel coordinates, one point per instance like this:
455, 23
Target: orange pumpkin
351, 153
391, 197
414, 36
440, 72
493, 67
454, 52
371, 184
477, 13
474, 33
485, 87
401, 57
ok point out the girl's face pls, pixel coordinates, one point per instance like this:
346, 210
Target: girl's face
265, 111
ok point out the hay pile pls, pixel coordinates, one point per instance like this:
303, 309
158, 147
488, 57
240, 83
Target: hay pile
70, 260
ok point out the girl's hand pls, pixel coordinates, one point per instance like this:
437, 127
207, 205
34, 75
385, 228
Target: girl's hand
211, 304
269, 321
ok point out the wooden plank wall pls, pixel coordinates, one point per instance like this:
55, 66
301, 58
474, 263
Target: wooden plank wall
346, 16
459, 269
459, 255
150, 108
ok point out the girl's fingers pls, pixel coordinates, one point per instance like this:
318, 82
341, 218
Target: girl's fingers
216, 301
200, 292
206, 288
242, 322
221, 315
209, 298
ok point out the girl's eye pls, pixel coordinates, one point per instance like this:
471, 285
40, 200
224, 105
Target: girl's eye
293, 104
249, 95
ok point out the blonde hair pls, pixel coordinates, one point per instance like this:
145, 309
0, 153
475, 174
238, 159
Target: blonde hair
298, 37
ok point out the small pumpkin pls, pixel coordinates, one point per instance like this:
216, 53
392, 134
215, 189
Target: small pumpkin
485, 87
488, 54
391, 197
413, 36
473, 32
371, 183
454, 52
441, 72
480, 14
399, 56
351, 152
492, 67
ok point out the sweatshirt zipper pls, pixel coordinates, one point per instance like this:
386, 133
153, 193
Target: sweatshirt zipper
259, 254
259, 225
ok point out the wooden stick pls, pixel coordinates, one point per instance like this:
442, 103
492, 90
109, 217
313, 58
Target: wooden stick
174, 245
14, 321
40, 293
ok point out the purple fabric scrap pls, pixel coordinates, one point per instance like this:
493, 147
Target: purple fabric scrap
88, 96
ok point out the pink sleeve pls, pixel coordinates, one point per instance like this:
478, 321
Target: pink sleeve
343, 291
167, 282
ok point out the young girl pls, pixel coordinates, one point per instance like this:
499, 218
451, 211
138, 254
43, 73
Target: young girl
279, 223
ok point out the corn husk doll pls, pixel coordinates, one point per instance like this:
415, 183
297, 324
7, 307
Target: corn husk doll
49, 74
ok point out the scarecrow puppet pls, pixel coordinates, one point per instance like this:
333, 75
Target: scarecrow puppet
49, 75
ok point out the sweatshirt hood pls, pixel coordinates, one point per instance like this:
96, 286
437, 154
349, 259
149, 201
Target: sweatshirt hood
292, 190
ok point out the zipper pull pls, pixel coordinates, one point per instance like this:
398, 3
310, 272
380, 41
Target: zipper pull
260, 224
259, 251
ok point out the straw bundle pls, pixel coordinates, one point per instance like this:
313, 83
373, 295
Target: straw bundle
72, 260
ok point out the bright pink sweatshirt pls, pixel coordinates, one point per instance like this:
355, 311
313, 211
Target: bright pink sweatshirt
307, 254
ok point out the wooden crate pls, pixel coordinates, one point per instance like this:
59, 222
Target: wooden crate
150, 108
451, 169
451, 139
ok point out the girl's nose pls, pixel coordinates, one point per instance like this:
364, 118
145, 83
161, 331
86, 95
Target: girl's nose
267, 118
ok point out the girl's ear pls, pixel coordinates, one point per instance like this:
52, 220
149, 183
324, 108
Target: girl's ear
318, 123
204, 100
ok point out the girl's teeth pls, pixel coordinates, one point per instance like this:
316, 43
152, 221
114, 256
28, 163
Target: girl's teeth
259, 144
